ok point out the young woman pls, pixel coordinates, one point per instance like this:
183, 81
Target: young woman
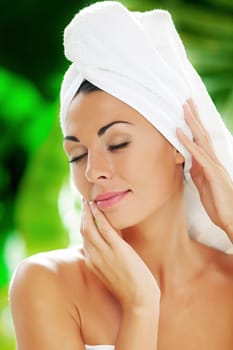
139, 281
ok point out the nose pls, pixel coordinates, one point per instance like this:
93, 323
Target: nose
98, 167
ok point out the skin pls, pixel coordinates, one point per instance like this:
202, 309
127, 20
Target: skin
139, 281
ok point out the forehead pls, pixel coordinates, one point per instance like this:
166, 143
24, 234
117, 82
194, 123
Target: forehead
98, 107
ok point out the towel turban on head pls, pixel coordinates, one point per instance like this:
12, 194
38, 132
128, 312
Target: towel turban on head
138, 57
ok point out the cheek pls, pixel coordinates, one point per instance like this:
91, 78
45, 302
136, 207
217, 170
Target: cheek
153, 171
163, 169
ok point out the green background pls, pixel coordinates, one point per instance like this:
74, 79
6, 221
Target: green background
36, 202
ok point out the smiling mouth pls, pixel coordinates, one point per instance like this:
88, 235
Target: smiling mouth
105, 203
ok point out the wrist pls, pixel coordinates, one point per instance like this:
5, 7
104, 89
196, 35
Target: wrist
135, 319
148, 307
143, 298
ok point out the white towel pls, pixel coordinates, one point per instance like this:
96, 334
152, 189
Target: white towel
139, 58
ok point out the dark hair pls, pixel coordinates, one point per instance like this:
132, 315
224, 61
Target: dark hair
87, 87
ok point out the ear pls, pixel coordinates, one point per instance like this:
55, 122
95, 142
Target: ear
179, 158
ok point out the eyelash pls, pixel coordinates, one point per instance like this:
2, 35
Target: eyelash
110, 148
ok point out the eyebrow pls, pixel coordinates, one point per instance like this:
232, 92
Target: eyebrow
100, 132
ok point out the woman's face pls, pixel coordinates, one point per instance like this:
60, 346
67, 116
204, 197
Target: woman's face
113, 148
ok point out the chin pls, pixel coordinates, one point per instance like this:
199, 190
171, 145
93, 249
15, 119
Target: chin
125, 218
123, 221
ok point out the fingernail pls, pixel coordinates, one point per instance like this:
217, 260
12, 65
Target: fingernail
96, 222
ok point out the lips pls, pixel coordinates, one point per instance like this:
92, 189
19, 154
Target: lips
108, 199
108, 195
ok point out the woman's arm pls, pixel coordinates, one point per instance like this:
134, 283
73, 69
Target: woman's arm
212, 180
139, 329
41, 313
128, 278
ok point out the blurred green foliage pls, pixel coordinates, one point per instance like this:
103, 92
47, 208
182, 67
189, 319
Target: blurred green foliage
33, 168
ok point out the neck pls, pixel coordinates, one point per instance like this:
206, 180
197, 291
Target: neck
163, 242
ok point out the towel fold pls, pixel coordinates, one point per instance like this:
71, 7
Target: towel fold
139, 58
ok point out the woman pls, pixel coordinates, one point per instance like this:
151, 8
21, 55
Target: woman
140, 281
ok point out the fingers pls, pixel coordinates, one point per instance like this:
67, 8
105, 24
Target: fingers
194, 109
96, 248
110, 235
196, 151
192, 118
89, 229
99, 241
200, 135
96, 228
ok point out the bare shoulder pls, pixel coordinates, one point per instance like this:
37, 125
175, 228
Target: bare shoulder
47, 268
42, 294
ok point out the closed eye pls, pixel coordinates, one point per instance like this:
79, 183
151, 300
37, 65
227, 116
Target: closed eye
110, 148
77, 159
120, 145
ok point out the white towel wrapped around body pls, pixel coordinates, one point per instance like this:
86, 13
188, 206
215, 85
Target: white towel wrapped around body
139, 58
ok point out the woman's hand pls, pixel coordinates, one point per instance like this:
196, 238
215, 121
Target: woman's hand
116, 263
211, 178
